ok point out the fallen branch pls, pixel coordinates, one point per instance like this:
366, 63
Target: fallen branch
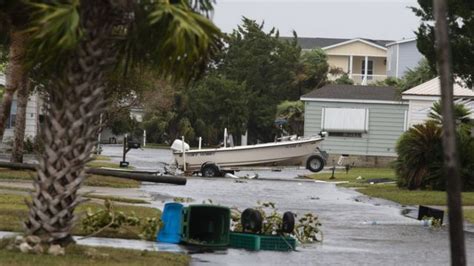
168, 179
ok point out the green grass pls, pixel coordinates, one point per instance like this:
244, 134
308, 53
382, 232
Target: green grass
92, 180
109, 181
90, 196
99, 164
84, 256
469, 215
13, 211
412, 197
157, 146
354, 173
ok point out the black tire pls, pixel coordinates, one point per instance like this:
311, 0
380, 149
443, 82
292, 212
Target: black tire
210, 170
315, 163
288, 223
251, 220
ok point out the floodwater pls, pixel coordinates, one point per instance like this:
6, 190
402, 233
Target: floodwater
357, 230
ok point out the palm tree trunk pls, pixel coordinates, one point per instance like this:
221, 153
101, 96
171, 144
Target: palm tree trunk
15, 75
20, 122
75, 101
450, 152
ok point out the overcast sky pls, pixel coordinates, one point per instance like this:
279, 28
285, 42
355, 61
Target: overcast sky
376, 19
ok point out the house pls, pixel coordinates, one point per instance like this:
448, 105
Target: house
422, 97
106, 136
363, 122
364, 60
402, 55
32, 116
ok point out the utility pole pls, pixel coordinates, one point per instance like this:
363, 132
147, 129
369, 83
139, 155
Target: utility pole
451, 161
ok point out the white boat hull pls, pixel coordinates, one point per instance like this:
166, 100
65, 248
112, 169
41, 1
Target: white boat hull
278, 153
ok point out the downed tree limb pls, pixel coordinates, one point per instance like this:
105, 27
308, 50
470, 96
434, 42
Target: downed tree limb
168, 179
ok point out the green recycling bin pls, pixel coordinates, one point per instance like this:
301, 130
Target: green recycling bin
206, 225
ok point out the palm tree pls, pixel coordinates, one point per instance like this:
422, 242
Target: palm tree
14, 16
74, 45
419, 155
461, 114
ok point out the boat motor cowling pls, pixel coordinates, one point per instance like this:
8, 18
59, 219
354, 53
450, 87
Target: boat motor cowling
177, 145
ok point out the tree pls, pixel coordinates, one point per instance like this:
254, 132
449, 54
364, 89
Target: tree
460, 21
418, 75
267, 66
461, 114
293, 113
420, 157
344, 79
83, 41
14, 16
313, 70
219, 103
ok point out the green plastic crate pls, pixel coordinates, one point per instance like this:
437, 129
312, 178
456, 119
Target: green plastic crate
206, 225
278, 243
262, 242
245, 241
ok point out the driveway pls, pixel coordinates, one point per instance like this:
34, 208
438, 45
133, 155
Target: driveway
357, 230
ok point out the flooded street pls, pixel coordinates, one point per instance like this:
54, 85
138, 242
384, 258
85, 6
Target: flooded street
357, 230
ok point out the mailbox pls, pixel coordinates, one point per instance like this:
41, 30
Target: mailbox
133, 144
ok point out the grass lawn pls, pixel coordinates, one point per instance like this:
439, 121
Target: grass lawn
83, 255
412, 197
92, 180
391, 191
469, 215
13, 212
105, 164
354, 173
157, 146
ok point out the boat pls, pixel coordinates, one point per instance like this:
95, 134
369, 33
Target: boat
209, 162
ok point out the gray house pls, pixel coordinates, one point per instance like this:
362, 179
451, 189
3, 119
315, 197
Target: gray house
363, 122
401, 56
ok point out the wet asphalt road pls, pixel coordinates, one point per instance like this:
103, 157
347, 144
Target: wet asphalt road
350, 236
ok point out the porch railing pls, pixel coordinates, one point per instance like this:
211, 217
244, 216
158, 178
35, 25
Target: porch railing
360, 79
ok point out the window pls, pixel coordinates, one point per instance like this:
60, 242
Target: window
345, 134
354, 120
11, 120
370, 68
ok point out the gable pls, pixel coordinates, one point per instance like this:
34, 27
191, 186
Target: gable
356, 47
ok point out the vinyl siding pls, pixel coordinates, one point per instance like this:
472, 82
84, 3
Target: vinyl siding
386, 124
409, 57
339, 61
356, 48
392, 57
418, 111
378, 65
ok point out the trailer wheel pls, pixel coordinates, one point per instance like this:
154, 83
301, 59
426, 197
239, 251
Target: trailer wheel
251, 220
210, 170
315, 163
288, 224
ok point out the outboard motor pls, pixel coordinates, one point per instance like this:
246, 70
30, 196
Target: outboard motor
177, 145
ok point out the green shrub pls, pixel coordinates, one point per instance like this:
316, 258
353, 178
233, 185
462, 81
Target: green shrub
420, 157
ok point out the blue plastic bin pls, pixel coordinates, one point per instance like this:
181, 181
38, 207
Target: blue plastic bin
172, 223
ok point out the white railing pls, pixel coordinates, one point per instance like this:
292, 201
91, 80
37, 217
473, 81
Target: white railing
360, 79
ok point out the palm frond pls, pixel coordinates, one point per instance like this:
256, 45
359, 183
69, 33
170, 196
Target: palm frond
172, 37
54, 28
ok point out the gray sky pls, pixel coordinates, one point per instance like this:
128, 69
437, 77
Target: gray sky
376, 19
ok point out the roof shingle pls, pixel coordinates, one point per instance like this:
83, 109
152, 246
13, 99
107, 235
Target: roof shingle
354, 92
311, 43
